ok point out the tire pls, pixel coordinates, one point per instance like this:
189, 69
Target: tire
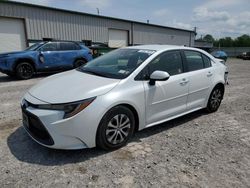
215, 99
24, 70
79, 62
116, 128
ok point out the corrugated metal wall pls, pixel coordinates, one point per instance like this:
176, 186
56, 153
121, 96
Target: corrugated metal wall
47, 23
146, 34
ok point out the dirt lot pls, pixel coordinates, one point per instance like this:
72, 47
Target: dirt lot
198, 150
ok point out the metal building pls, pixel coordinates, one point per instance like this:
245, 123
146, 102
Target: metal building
22, 24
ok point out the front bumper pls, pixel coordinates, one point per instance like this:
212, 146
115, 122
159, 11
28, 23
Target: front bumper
48, 128
5, 66
5, 71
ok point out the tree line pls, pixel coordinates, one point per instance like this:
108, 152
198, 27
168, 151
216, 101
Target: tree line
241, 41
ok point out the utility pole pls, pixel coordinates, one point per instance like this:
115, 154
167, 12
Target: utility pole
98, 12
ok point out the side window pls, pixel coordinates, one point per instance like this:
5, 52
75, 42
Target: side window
52, 46
207, 61
170, 62
194, 60
64, 46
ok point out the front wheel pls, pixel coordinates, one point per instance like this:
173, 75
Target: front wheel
24, 70
215, 99
115, 128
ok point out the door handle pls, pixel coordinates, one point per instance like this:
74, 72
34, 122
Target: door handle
209, 74
184, 81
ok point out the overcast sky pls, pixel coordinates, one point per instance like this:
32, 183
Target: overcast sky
217, 17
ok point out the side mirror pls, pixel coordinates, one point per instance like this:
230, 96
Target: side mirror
158, 76
41, 57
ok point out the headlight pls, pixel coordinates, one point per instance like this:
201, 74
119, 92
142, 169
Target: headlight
70, 109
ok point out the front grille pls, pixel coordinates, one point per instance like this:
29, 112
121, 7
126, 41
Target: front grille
36, 128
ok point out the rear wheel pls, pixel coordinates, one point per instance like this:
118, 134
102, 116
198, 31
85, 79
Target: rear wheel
215, 99
115, 129
79, 62
24, 70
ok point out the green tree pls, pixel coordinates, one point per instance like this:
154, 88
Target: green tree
242, 41
208, 38
225, 42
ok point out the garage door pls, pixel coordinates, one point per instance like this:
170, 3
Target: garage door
118, 38
12, 35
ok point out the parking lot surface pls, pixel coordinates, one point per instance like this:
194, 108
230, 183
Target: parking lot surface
197, 150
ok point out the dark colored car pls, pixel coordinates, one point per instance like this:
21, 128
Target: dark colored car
240, 56
246, 56
99, 49
44, 57
220, 55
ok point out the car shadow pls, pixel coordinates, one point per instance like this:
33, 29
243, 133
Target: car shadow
27, 150
6, 78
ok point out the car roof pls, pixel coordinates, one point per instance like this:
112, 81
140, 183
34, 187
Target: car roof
160, 47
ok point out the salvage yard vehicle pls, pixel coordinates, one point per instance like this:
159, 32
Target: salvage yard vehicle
97, 48
44, 57
240, 56
104, 102
220, 55
246, 56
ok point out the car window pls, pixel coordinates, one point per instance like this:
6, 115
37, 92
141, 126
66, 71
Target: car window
170, 62
194, 60
52, 46
68, 46
206, 61
34, 46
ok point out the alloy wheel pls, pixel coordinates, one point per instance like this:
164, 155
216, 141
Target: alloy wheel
25, 70
216, 98
118, 129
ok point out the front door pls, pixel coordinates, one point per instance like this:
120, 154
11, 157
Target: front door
50, 56
166, 99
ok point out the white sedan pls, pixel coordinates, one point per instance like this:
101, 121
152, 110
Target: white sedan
105, 101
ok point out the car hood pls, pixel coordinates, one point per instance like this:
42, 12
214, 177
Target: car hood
71, 86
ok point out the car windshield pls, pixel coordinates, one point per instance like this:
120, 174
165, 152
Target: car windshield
117, 64
34, 46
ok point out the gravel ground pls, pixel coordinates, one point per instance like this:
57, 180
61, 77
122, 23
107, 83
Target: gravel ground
197, 150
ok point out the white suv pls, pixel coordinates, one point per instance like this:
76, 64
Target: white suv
103, 102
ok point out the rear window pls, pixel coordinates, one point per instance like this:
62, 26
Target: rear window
64, 46
194, 60
207, 61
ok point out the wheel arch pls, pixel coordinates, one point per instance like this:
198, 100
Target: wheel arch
135, 113
126, 105
130, 107
220, 85
28, 60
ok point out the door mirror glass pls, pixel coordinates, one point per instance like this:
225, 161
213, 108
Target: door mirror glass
158, 76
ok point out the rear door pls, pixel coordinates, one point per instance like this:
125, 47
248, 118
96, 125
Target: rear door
69, 52
168, 98
200, 74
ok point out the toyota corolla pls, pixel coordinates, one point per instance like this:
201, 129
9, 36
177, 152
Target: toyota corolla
105, 101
